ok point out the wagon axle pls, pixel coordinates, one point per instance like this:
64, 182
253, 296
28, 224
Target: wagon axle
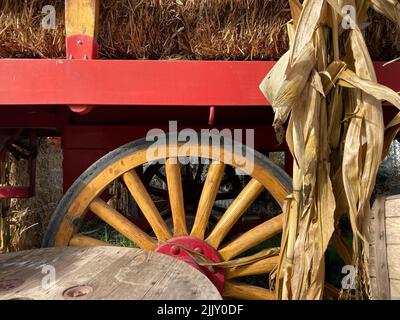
199, 254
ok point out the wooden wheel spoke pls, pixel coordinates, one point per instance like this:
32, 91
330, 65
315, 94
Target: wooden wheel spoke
252, 238
247, 292
234, 212
207, 198
122, 224
174, 182
260, 267
146, 205
80, 240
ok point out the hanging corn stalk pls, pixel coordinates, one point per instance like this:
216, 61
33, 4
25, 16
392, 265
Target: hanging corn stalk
326, 90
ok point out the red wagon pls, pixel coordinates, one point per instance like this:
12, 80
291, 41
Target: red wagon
97, 106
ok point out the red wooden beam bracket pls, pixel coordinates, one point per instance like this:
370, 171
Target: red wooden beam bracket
81, 47
211, 117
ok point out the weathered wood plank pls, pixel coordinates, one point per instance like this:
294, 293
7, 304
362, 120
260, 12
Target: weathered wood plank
392, 230
383, 234
371, 230
392, 206
381, 265
82, 17
393, 256
395, 289
373, 288
372, 261
112, 273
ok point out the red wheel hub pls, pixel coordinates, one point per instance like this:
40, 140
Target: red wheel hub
185, 247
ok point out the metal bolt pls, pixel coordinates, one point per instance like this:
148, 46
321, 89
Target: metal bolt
77, 291
175, 250
80, 42
198, 250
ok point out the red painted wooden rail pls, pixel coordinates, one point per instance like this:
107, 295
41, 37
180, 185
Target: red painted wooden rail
127, 82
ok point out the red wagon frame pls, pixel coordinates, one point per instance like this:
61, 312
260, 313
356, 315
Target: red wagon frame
131, 97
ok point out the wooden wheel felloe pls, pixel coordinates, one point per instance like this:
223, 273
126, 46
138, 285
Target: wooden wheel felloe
196, 244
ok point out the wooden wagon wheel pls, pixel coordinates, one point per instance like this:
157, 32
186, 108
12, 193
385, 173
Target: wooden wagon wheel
193, 176
85, 195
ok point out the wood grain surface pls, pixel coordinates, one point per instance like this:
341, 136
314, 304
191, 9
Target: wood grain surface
110, 273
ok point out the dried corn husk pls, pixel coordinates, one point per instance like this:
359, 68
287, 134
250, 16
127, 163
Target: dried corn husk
337, 137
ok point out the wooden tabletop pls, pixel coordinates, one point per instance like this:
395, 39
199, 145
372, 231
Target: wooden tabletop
100, 273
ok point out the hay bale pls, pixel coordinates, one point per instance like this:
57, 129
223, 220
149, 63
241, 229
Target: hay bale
383, 38
5, 177
26, 220
153, 29
387, 181
172, 29
21, 32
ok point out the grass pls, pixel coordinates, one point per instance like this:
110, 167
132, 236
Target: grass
102, 231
